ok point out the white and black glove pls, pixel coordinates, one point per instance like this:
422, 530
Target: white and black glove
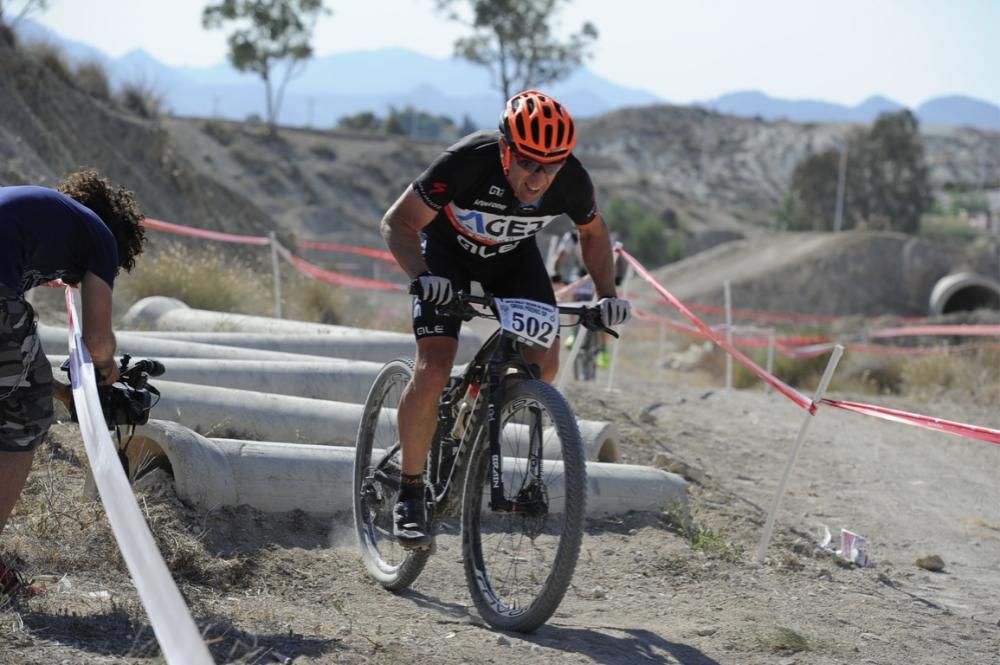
614, 311
432, 289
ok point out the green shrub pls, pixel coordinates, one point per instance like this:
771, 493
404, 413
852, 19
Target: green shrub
323, 151
938, 227
52, 57
141, 99
92, 78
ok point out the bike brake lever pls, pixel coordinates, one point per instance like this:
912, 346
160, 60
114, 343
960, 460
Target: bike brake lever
591, 320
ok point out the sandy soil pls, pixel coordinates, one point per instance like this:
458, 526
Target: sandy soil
645, 590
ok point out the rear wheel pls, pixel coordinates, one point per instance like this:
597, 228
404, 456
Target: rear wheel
377, 464
518, 564
585, 365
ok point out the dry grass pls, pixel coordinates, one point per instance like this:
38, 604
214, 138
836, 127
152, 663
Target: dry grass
204, 279
783, 640
226, 281
973, 374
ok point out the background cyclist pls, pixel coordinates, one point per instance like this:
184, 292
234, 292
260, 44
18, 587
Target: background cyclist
473, 215
568, 267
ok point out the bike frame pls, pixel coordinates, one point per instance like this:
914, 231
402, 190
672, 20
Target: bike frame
490, 370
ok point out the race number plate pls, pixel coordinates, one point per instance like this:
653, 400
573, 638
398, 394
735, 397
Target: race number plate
533, 322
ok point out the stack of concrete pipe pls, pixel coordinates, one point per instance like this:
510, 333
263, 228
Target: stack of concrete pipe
279, 477
259, 381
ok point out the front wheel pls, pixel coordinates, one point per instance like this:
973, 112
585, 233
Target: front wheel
518, 564
377, 464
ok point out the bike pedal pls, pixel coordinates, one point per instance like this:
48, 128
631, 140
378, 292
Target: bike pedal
430, 547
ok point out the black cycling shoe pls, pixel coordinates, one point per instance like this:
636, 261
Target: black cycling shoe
410, 524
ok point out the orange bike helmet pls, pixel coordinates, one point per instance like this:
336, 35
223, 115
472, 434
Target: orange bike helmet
538, 127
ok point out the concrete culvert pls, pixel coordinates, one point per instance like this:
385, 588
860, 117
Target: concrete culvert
962, 292
169, 314
279, 477
261, 416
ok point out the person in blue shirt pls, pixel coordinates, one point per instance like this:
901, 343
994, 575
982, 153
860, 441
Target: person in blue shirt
82, 234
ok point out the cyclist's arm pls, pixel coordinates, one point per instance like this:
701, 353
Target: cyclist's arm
595, 245
401, 230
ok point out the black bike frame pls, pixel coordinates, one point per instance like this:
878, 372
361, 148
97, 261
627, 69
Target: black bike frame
490, 369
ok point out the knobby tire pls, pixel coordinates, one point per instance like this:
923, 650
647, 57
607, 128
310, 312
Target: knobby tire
489, 538
387, 562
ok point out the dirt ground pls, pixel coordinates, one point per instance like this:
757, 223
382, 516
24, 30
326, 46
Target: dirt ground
647, 589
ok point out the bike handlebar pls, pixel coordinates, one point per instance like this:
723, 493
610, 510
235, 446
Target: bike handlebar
461, 306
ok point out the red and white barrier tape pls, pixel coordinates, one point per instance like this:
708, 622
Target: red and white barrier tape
170, 618
926, 422
303, 266
779, 385
379, 254
203, 233
335, 278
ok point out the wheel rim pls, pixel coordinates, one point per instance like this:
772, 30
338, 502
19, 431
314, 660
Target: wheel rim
514, 554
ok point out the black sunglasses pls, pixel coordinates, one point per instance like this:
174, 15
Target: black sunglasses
531, 166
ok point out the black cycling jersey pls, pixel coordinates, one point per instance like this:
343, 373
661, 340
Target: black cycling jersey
475, 204
483, 233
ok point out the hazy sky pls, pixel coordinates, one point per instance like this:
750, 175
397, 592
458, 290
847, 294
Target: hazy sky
683, 50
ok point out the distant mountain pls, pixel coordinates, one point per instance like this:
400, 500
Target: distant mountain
346, 83
953, 110
958, 110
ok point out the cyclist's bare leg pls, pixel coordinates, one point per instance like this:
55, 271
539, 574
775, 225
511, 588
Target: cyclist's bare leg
547, 360
418, 406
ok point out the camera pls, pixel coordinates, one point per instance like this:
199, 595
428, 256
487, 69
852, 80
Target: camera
128, 400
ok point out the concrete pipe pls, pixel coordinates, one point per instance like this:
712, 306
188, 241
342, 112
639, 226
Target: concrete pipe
328, 378
159, 313
280, 477
367, 345
964, 291
55, 341
260, 416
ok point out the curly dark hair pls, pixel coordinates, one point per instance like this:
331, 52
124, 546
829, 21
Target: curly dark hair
115, 206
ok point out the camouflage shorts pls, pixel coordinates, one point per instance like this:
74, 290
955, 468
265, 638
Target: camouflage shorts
25, 377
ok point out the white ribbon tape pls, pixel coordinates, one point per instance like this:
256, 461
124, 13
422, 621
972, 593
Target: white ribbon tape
170, 618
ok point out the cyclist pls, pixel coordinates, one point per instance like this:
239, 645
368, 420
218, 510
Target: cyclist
82, 234
568, 267
473, 215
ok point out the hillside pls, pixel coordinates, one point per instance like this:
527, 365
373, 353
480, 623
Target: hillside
49, 126
721, 172
845, 274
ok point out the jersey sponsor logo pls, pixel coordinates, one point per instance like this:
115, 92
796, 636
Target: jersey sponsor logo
485, 251
491, 229
496, 191
489, 204
430, 330
438, 187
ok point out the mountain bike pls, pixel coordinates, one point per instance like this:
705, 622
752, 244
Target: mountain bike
506, 460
